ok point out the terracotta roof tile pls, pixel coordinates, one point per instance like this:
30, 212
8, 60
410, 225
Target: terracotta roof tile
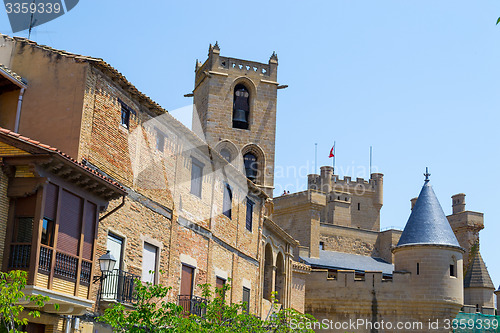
13, 74
66, 156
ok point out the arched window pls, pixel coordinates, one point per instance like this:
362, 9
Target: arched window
226, 154
241, 107
251, 166
268, 273
279, 279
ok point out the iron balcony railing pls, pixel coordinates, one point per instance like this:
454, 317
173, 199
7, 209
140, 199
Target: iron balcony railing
193, 304
118, 286
65, 265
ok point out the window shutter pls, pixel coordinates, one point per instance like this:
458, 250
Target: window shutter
69, 223
187, 280
149, 262
51, 194
196, 177
89, 230
115, 247
246, 298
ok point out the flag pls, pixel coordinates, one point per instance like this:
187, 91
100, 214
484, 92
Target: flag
332, 152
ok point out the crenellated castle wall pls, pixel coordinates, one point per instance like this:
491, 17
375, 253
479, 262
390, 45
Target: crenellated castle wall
345, 297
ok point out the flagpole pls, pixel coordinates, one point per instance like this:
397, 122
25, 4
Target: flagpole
370, 161
334, 155
315, 158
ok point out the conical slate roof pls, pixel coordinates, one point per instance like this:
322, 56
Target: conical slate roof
427, 223
477, 275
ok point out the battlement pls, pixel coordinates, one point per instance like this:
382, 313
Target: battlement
218, 65
327, 181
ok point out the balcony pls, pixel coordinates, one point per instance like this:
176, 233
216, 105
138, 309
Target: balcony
63, 266
118, 286
193, 304
62, 277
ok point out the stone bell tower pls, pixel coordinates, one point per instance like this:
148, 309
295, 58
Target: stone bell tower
235, 111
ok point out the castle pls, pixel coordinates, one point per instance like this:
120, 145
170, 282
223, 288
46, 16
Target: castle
91, 165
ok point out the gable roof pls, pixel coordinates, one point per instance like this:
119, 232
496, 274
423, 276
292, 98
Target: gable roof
427, 223
477, 275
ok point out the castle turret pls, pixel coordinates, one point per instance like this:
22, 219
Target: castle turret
326, 178
478, 288
466, 226
429, 250
378, 184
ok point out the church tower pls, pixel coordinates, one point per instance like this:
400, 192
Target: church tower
235, 111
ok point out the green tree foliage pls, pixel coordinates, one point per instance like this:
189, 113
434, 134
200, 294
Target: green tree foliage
12, 284
152, 313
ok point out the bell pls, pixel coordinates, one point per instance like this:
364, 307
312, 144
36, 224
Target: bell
239, 116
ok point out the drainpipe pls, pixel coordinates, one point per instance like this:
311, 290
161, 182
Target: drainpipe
18, 112
67, 329
114, 209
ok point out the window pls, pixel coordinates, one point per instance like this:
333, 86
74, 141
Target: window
115, 247
196, 177
219, 284
160, 141
418, 268
47, 232
246, 299
453, 267
227, 203
249, 216
126, 111
149, 263
359, 206
251, 166
241, 107
321, 245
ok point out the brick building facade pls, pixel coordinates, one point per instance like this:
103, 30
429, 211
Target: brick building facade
188, 215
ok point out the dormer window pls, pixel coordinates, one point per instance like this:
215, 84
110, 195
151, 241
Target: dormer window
241, 107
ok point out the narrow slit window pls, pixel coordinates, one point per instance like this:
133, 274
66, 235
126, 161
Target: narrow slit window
249, 216
227, 202
418, 268
196, 177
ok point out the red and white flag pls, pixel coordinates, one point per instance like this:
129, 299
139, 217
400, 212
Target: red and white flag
332, 152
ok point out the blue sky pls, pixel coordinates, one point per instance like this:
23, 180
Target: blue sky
417, 80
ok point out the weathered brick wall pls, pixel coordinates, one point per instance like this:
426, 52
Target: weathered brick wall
4, 211
136, 224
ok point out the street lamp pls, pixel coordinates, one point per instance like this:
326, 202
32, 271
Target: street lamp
107, 263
